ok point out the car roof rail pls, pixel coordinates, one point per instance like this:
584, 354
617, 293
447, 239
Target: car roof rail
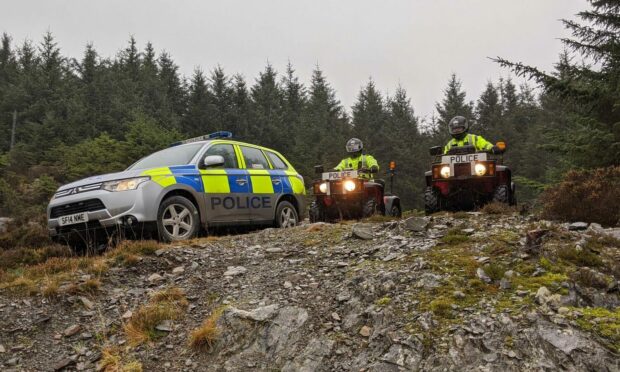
206, 137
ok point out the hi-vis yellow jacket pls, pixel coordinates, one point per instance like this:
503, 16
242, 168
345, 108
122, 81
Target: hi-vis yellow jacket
355, 163
470, 139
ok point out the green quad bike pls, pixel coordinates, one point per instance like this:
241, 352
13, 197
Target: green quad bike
464, 179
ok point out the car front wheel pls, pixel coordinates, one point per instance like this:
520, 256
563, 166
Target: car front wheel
177, 219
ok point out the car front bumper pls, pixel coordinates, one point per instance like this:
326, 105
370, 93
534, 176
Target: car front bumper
140, 204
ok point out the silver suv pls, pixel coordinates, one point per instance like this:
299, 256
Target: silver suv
201, 182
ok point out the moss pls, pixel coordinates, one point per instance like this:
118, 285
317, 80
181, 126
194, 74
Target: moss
454, 237
532, 283
603, 322
545, 264
383, 301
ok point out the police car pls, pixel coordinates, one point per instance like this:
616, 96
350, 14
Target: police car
194, 184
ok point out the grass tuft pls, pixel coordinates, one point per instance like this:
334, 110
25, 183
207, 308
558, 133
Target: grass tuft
497, 208
495, 271
580, 257
168, 304
205, 336
442, 307
112, 361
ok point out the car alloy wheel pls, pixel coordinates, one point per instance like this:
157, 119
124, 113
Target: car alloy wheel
178, 221
288, 217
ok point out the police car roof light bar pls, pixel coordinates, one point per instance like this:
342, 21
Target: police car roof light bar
214, 135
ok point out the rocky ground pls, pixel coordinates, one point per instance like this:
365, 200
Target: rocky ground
464, 291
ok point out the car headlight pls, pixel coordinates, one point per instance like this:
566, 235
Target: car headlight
323, 187
124, 185
480, 169
349, 185
445, 171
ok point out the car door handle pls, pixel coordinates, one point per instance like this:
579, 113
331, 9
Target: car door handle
276, 181
241, 181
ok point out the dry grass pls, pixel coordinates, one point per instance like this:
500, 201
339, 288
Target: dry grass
13, 258
112, 361
45, 277
50, 289
315, 227
497, 208
205, 336
169, 304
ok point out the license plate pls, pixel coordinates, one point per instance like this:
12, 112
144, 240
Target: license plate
72, 219
339, 175
456, 159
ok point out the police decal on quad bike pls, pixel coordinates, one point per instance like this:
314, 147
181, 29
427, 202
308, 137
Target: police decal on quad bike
349, 194
465, 179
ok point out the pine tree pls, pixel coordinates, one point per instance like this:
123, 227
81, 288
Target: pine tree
453, 104
197, 121
489, 111
590, 93
267, 110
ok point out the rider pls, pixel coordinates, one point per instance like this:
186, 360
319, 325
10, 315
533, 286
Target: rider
458, 128
357, 159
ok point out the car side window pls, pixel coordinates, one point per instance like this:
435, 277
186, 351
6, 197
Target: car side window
254, 158
276, 161
226, 151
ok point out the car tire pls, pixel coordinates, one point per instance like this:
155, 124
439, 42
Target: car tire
370, 208
431, 201
286, 215
177, 219
315, 213
502, 194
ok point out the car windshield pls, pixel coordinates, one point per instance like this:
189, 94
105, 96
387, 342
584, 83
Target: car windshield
179, 155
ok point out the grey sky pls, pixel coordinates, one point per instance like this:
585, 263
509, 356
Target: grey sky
417, 43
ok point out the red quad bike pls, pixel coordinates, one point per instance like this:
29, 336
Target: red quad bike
465, 179
346, 195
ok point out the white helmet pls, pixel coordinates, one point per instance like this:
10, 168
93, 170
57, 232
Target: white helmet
354, 145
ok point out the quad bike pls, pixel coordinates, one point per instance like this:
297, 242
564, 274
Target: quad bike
349, 195
465, 179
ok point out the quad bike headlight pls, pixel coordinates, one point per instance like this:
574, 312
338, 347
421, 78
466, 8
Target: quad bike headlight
323, 187
445, 171
349, 185
480, 169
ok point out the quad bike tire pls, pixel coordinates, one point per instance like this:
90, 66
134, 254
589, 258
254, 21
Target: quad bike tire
396, 211
431, 201
502, 194
315, 213
370, 208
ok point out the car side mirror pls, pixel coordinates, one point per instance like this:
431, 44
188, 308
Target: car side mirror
213, 161
435, 150
318, 169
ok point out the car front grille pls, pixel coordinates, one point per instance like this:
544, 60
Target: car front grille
89, 205
463, 169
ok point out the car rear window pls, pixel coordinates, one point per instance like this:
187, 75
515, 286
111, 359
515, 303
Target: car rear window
178, 155
254, 158
276, 161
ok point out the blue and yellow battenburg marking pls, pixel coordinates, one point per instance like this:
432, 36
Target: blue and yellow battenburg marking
225, 181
